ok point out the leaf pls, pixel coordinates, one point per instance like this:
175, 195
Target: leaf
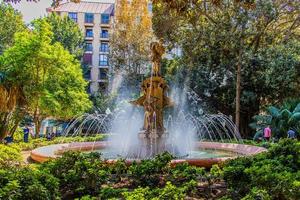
294, 119
285, 114
297, 109
275, 112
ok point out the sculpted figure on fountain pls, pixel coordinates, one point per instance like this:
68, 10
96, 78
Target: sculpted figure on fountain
154, 98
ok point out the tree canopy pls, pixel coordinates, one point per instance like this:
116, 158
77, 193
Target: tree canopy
48, 76
218, 36
131, 37
10, 23
68, 33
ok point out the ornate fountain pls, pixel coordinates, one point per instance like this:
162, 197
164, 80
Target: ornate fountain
154, 98
206, 149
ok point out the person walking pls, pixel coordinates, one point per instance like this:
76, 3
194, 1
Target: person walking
291, 134
26, 133
267, 133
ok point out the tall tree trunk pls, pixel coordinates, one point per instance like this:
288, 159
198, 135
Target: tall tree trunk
37, 123
238, 90
37, 119
4, 125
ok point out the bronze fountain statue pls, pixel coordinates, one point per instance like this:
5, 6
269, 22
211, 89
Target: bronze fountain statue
154, 98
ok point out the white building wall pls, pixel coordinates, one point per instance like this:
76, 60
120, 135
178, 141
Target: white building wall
96, 41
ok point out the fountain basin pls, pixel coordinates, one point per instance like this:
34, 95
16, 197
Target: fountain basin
209, 153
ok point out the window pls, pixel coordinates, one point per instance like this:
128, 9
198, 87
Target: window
73, 16
87, 73
103, 74
89, 18
88, 58
89, 33
104, 34
105, 19
104, 47
103, 60
89, 47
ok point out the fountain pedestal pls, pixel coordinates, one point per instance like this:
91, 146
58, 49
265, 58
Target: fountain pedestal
154, 143
154, 98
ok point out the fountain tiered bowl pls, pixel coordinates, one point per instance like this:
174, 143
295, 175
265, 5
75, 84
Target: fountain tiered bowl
205, 155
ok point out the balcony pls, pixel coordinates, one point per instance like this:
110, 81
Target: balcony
105, 25
104, 39
89, 24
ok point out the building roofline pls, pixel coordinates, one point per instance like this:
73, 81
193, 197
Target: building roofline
53, 9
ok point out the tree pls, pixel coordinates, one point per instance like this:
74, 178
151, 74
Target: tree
221, 41
131, 37
49, 77
68, 33
10, 23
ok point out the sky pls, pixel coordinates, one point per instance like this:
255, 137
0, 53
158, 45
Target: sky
32, 10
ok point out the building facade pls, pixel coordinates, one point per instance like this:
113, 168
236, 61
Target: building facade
95, 20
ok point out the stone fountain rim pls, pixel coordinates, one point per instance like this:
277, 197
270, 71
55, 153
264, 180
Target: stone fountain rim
240, 149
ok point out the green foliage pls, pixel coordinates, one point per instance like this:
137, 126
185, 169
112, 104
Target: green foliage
184, 173
270, 175
79, 174
148, 172
110, 193
68, 33
102, 102
276, 171
138, 194
279, 119
257, 194
213, 35
25, 183
10, 22
50, 78
168, 192
9, 156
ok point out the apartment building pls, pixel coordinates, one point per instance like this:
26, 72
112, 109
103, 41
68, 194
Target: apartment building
95, 20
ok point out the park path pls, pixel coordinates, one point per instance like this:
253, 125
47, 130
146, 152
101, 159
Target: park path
26, 156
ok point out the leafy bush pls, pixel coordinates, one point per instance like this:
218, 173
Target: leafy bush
82, 174
276, 171
110, 193
25, 183
148, 172
271, 175
34, 143
79, 173
9, 156
257, 194
168, 192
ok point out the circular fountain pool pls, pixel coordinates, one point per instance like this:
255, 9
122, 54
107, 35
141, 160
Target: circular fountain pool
207, 153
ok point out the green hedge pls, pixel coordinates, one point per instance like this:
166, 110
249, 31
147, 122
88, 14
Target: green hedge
271, 175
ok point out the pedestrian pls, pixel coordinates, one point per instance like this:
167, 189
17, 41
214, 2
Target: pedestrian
26, 131
267, 133
291, 134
